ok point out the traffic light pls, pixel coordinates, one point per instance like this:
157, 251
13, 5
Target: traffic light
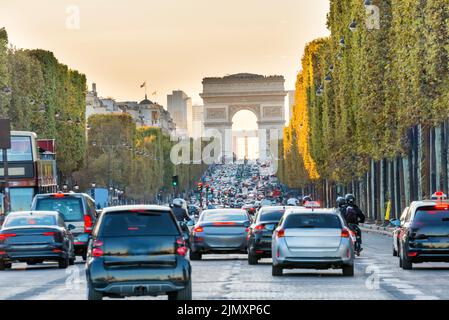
175, 181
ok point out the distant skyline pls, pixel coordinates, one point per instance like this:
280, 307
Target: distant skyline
170, 44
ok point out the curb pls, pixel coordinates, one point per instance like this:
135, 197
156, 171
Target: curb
377, 229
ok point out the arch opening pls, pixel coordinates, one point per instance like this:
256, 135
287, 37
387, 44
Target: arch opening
245, 141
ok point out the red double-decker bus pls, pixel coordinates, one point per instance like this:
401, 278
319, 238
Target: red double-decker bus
31, 170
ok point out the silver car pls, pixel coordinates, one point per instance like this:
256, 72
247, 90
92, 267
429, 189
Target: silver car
220, 231
312, 239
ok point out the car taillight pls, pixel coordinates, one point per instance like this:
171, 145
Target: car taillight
48, 234
181, 247
412, 254
97, 250
87, 224
5, 236
198, 229
260, 227
182, 251
345, 233
224, 223
280, 233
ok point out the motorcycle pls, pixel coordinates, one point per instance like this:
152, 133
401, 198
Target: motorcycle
357, 238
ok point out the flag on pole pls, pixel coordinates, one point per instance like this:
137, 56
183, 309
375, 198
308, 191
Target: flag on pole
143, 84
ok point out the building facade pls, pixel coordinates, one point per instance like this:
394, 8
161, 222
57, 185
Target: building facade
179, 105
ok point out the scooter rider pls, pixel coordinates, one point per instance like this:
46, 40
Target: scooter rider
353, 216
341, 206
179, 211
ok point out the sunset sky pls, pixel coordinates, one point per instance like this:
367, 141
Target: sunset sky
172, 44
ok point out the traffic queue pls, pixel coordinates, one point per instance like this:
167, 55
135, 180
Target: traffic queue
146, 250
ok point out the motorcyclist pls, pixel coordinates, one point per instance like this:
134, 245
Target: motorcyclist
306, 199
179, 211
353, 216
341, 205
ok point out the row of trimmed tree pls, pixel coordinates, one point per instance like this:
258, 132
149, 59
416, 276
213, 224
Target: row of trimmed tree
372, 102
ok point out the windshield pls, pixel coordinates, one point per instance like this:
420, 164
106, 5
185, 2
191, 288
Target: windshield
327, 221
274, 215
21, 149
30, 220
70, 207
224, 216
123, 224
431, 217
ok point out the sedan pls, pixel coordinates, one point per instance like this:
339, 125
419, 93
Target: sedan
34, 237
220, 231
312, 239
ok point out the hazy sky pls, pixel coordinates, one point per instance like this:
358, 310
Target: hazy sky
172, 44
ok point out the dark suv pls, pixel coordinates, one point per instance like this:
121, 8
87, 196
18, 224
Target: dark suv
261, 232
424, 234
138, 251
78, 209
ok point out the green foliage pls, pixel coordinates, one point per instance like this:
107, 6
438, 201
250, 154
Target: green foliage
4, 75
130, 158
384, 82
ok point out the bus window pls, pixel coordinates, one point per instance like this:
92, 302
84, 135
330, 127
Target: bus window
21, 198
21, 149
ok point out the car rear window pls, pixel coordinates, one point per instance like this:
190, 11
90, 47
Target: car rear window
275, 215
431, 217
24, 221
70, 207
148, 223
224, 216
324, 221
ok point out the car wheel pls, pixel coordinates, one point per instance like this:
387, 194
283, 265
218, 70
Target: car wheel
4, 266
252, 259
406, 263
348, 271
276, 271
63, 263
84, 256
92, 294
395, 253
72, 261
31, 263
195, 256
184, 294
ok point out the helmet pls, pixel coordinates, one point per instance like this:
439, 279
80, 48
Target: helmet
306, 199
292, 202
178, 202
350, 199
341, 201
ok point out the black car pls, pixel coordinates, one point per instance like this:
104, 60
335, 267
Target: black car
261, 232
138, 251
34, 237
424, 234
78, 209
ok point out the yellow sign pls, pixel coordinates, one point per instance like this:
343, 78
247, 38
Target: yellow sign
388, 212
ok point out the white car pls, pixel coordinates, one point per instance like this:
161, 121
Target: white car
312, 239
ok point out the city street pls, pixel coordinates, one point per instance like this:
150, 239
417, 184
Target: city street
230, 277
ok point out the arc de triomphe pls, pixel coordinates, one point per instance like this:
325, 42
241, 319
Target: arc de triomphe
263, 95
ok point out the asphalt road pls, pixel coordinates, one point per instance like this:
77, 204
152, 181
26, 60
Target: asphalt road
377, 277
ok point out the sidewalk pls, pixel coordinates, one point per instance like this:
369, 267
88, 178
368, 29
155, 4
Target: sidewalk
387, 231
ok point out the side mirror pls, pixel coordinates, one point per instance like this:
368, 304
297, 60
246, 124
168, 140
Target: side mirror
99, 211
191, 223
247, 224
71, 227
